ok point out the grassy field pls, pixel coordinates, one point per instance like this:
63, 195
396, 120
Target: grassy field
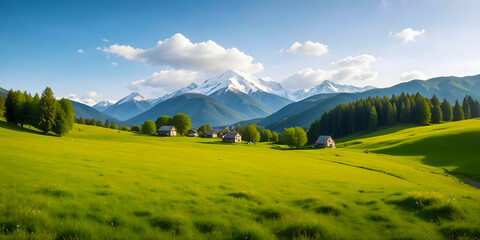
102, 183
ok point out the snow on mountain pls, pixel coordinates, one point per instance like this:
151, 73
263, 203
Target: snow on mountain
134, 96
327, 87
102, 105
234, 80
179, 92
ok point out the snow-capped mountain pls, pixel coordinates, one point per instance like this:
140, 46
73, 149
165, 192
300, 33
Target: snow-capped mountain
128, 106
326, 87
179, 92
240, 82
102, 105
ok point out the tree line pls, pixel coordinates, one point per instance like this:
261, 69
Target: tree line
44, 113
373, 112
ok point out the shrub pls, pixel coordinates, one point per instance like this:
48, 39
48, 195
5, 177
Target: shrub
136, 128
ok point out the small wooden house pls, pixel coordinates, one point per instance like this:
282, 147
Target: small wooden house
192, 133
211, 134
167, 131
324, 142
232, 137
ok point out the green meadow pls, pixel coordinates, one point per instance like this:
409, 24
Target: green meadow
108, 184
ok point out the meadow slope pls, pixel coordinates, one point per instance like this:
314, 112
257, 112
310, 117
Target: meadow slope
102, 183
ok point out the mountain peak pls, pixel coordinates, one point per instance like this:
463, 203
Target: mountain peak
134, 96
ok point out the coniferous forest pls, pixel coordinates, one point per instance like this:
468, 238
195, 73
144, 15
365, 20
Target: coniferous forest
373, 112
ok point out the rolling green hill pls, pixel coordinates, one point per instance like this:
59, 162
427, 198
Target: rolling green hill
105, 184
201, 109
452, 146
450, 88
3, 92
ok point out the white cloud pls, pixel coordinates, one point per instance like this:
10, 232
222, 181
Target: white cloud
166, 79
349, 69
409, 35
407, 76
114, 64
105, 40
308, 48
180, 53
89, 98
80, 51
98, 48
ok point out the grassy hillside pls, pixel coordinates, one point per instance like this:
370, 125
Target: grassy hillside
303, 113
201, 109
452, 146
102, 183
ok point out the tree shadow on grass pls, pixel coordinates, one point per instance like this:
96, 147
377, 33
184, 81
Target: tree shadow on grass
454, 150
11, 126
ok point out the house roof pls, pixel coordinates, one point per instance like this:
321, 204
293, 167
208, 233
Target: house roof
322, 139
210, 132
230, 135
166, 128
192, 131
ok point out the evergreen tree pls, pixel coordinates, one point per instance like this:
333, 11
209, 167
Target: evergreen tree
466, 108
163, 121
182, 123
20, 108
2, 106
81, 120
67, 107
474, 112
437, 114
10, 107
447, 111
48, 110
61, 124
372, 118
404, 113
422, 110
458, 112
149, 127
435, 101
36, 111
477, 109
93, 122
251, 134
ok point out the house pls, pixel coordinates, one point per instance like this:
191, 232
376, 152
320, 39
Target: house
167, 131
232, 137
324, 142
192, 133
211, 134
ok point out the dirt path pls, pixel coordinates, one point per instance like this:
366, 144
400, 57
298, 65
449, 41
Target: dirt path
467, 180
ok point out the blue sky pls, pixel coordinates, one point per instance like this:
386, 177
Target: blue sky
351, 42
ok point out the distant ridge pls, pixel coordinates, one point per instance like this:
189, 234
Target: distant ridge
201, 109
85, 111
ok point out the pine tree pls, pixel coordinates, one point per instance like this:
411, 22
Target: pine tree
81, 120
466, 108
67, 107
422, 110
476, 106
447, 111
458, 112
437, 114
435, 101
61, 124
372, 118
404, 113
48, 110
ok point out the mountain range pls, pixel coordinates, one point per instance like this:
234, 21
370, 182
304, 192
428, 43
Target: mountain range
128, 107
304, 112
235, 96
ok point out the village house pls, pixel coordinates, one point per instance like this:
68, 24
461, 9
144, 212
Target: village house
324, 142
232, 137
192, 133
211, 134
167, 131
